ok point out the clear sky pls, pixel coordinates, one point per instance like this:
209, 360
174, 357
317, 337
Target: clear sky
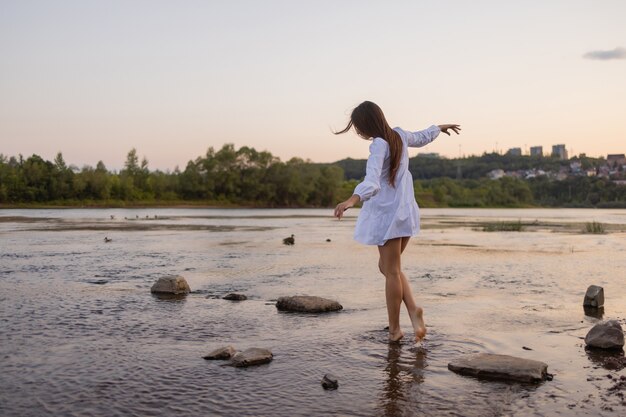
94, 79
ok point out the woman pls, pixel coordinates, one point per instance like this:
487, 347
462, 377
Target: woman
390, 215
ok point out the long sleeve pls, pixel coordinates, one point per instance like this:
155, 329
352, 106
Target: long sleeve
370, 186
422, 137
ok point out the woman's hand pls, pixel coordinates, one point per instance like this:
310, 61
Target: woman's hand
341, 207
455, 128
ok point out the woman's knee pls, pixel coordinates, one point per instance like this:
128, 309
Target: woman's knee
395, 277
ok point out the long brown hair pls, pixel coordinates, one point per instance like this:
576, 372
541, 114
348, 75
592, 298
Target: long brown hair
369, 122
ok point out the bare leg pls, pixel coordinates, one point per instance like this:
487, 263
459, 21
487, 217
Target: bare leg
389, 265
404, 243
416, 314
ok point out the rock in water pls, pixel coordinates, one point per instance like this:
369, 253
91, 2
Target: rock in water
330, 382
307, 304
605, 335
503, 367
594, 297
595, 312
225, 352
252, 356
235, 297
171, 285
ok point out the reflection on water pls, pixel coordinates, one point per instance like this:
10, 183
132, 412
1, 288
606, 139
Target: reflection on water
402, 374
612, 359
81, 334
170, 297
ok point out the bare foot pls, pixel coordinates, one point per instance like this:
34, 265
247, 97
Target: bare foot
417, 320
395, 337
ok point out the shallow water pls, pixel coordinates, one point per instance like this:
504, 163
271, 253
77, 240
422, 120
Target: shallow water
82, 335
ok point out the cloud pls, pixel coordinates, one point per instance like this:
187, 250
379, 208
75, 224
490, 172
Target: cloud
617, 53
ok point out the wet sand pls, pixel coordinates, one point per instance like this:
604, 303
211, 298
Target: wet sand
82, 335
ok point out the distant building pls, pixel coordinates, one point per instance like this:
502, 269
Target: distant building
514, 152
536, 151
616, 160
434, 155
495, 174
559, 151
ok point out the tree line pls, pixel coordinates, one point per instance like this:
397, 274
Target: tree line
426, 167
572, 192
228, 176
247, 177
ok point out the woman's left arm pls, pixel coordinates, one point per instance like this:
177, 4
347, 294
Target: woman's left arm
453, 127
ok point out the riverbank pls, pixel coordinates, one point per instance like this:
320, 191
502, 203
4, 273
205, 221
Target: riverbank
83, 334
108, 204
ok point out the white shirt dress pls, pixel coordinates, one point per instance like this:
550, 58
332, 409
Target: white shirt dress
389, 212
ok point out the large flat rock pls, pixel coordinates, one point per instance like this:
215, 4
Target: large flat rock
225, 352
251, 357
502, 367
307, 304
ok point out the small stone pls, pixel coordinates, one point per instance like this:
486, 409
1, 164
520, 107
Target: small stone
251, 357
307, 304
330, 382
594, 297
235, 297
222, 353
491, 366
171, 285
526, 348
605, 335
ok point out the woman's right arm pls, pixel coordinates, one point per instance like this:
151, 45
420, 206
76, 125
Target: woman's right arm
370, 186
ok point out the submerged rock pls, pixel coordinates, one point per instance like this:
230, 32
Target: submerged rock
595, 312
225, 352
330, 382
251, 357
171, 285
307, 304
606, 335
503, 367
235, 297
594, 297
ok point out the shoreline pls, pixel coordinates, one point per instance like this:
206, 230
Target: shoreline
226, 205
131, 205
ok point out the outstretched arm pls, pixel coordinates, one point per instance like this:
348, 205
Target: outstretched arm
453, 127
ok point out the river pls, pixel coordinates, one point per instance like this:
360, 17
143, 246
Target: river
82, 335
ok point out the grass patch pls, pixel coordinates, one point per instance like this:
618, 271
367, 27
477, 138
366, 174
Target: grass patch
503, 227
594, 228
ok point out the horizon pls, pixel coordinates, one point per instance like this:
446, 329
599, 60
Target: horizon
93, 80
181, 167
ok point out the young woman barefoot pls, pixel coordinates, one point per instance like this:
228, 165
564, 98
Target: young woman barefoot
390, 215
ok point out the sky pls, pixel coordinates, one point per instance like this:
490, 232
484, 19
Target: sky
94, 79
